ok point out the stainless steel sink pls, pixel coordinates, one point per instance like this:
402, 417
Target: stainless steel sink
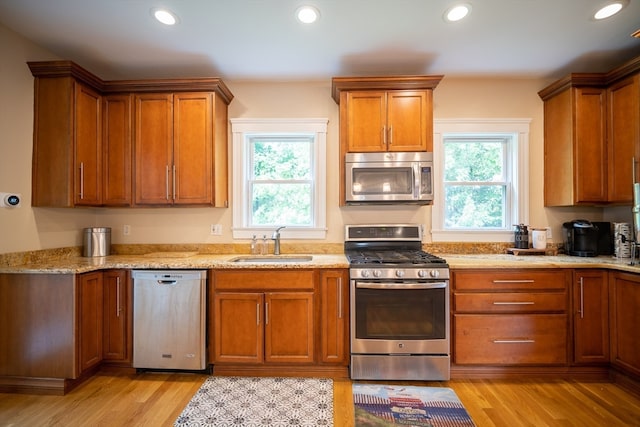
272, 258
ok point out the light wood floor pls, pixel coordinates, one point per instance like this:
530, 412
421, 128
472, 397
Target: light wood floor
156, 399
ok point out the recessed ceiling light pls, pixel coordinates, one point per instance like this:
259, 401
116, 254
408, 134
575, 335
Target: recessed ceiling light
307, 14
609, 9
165, 16
457, 12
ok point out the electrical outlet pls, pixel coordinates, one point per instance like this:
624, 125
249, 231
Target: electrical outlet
216, 229
548, 232
126, 230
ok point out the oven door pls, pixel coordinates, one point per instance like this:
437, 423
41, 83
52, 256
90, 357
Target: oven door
399, 318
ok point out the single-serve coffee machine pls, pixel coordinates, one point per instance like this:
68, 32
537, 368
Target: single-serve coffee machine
580, 238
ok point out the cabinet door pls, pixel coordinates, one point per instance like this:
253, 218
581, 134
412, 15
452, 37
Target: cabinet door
590, 157
625, 321
90, 294
117, 328
409, 121
590, 317
116, 150
510, 339
624, 137
238, 327
334, 316
192, 148
366, 121
575, 155
289, 327
153, 137
88, 149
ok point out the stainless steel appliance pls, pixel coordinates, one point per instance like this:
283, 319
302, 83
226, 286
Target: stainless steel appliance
390, 177
169, 318
399, 305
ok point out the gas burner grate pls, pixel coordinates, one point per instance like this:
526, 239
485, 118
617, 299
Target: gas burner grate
393, 257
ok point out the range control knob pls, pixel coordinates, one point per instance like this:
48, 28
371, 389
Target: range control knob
399, 273
365, 273
434, 273
377, 273
423, 273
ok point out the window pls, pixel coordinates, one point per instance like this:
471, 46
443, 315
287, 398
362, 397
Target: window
481, 177
279, 177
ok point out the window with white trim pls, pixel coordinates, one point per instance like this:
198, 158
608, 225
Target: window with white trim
481, 179
279, 177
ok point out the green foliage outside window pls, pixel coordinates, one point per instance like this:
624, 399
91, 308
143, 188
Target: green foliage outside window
281, 181
475, 187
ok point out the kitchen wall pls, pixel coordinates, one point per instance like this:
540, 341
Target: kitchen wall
26, 228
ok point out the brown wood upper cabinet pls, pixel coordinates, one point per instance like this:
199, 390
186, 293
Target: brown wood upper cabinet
591, 135
66, 143
385, 113
86, 131
388, 121
116, 150
174, 149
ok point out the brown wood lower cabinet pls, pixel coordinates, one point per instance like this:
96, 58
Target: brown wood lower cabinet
288, 322
272, 326
51, 334
625, 321
590, 303
511, 339
510, 317
117, 328
89, 320
334, 316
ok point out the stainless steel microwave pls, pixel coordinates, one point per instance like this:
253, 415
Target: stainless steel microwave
389, 178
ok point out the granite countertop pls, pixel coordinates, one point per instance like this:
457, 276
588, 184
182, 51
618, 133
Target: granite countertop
171, 260
194, 260
457, 261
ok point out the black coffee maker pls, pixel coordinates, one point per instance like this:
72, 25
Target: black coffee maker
580, 238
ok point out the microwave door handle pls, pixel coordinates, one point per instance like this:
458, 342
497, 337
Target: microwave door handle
416, 181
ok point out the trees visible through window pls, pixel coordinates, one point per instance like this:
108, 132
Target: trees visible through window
480, 178
279, 177
281, 180
476, 191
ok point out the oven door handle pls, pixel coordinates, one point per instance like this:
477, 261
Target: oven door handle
431, 285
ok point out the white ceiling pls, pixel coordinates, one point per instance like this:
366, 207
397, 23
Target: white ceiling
261, 40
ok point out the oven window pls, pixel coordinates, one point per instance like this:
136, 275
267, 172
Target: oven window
370, 180
400, 314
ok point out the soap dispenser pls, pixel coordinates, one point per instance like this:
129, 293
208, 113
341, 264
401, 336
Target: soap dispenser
254, 245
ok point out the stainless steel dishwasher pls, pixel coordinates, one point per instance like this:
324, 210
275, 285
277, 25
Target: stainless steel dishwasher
169, 319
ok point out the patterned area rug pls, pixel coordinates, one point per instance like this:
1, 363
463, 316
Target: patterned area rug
378, 405
260, 402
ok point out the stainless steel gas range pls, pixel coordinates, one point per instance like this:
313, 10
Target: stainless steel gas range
399, 305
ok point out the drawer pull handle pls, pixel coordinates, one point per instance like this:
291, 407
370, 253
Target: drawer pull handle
513, 341
515, 281
513, 303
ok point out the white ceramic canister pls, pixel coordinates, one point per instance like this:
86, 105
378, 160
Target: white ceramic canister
539, 238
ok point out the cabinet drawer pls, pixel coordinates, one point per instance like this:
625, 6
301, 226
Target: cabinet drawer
254, 279
510, 302
509, 280
510, 339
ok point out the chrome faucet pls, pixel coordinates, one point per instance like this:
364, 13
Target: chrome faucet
276, 240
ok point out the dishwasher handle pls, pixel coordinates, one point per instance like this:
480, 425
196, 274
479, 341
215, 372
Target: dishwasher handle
167, 282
